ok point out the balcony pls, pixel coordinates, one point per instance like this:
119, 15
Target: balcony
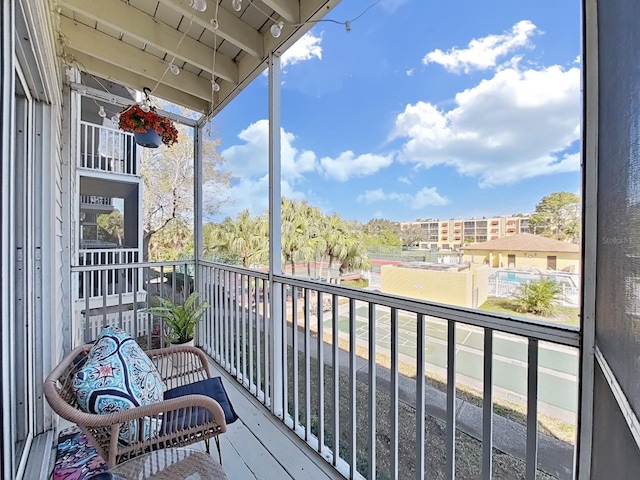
106, 149
294, 351
329, 382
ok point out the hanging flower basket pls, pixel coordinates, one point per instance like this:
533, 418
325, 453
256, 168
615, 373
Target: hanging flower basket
149, 139
149, 128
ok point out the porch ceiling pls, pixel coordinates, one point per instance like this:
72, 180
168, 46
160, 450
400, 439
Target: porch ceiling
133, 43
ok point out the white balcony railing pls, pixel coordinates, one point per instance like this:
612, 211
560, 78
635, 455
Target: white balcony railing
95, 200
379, 386
107, 149
118, 295
312, 355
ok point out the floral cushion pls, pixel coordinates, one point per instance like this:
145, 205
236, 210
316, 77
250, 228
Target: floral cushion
118, 375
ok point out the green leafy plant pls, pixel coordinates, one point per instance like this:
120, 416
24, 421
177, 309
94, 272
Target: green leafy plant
538, 297
180, 320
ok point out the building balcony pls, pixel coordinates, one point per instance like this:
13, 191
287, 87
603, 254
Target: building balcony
327, 372
108, 150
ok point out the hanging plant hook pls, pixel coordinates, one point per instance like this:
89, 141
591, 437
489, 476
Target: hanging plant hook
146, 91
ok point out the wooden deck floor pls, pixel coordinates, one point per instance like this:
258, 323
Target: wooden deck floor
258, 446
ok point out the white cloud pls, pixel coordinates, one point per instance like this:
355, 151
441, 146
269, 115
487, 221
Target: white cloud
347, 165
515, 125
410, 72
252, 157
253, 194
421, 199
307, 48
483, 53
404, 180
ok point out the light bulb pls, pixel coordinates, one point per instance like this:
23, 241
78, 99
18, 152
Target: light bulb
276, 29
101, 112
214, 23
200, 5
174, 69
214, 86
145, 108
116, 118
237, 5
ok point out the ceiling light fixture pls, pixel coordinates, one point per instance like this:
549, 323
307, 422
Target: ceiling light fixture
174, 69
276, 29
200, 5
215, 86
214, 23
237, 5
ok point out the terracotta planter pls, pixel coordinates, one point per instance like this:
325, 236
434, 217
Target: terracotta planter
148, 139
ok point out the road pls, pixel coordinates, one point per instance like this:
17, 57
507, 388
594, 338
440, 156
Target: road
558, 365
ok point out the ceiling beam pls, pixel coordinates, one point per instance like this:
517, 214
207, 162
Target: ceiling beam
138, 82
250, 67
230, 27
111, 50
138, 25
289, 10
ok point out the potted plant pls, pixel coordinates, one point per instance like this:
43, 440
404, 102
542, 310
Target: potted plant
180, 320
148, 126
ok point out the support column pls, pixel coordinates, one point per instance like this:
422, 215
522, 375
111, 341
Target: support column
197, 200
277, 321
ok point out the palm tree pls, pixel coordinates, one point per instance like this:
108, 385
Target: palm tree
296, 240
337, 236
357, 257
245, 237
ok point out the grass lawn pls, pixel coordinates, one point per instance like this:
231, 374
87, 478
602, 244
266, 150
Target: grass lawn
563, 315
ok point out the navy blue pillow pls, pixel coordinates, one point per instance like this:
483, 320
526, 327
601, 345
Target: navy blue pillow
211, 387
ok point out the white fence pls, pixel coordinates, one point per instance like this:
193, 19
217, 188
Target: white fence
569, 297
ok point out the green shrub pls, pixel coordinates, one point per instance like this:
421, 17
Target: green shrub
538, 297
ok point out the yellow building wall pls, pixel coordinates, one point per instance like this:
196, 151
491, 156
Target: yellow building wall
565, 261
448, 287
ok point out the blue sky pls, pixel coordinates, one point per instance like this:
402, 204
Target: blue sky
425, 109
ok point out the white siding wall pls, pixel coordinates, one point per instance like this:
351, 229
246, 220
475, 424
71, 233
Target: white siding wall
36, 56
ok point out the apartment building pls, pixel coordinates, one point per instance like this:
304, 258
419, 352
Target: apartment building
454, 233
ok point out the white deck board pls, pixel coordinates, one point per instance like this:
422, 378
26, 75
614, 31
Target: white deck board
258, 446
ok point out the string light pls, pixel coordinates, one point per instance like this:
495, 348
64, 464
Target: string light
215, 87
276, 29
199, 5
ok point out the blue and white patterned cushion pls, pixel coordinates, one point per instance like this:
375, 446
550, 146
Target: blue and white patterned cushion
116, 376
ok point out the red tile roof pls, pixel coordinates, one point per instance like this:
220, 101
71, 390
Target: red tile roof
524, 242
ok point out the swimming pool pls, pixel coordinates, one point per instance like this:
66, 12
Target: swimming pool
528, 277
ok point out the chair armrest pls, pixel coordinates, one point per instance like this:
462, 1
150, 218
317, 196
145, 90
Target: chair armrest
167, 406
